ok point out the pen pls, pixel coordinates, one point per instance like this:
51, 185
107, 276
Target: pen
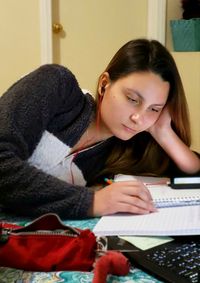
108, 181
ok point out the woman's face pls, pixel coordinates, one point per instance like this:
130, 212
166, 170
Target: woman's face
132, 104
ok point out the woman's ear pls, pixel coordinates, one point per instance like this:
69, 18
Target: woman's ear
104, 81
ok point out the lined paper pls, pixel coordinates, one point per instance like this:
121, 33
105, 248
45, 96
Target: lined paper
165, 222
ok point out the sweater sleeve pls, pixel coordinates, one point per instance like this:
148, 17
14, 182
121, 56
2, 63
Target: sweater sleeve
29, 107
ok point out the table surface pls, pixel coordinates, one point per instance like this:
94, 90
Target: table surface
8, 275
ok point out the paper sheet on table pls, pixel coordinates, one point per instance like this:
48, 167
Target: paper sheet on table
144, 242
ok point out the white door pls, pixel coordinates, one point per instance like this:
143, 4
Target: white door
93, 30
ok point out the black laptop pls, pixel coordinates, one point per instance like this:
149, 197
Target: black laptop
177, 261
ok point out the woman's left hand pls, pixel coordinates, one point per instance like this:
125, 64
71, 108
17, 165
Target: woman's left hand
185, 159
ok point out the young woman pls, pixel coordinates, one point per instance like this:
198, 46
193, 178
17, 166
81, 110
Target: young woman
56, 142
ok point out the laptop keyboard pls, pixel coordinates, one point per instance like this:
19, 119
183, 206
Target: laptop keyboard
183, 260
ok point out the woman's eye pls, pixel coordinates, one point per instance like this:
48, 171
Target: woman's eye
132, 100
155, 110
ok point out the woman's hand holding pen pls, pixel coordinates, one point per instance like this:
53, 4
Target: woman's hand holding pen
124, 196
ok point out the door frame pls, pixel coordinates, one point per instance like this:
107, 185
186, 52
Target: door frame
46, 43
156, 22
156, 26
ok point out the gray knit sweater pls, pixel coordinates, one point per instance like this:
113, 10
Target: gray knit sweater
42, 116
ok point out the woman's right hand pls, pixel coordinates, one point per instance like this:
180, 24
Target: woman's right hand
123, 196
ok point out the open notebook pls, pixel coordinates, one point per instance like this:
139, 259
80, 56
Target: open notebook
178, 213
162, 194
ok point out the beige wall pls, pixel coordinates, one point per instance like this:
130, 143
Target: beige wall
20, 39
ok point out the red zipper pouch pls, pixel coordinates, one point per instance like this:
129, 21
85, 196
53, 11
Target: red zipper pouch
46, 244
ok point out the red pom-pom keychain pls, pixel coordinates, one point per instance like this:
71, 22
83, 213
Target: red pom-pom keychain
112, 262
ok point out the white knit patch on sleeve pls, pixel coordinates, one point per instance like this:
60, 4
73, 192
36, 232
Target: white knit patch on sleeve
53, 157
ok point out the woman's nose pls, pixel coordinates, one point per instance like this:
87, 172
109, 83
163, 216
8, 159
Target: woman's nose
136, 117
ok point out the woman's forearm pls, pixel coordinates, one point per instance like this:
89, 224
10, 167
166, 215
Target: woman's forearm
181, 154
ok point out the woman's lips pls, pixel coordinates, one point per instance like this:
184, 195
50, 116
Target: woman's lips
130, 130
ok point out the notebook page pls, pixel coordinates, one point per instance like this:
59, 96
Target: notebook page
162, 192
164, 195
166, 222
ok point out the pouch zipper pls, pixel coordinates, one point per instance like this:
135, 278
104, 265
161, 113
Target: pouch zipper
6, 232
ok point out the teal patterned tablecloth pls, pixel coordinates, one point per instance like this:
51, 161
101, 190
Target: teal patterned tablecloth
8, 275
